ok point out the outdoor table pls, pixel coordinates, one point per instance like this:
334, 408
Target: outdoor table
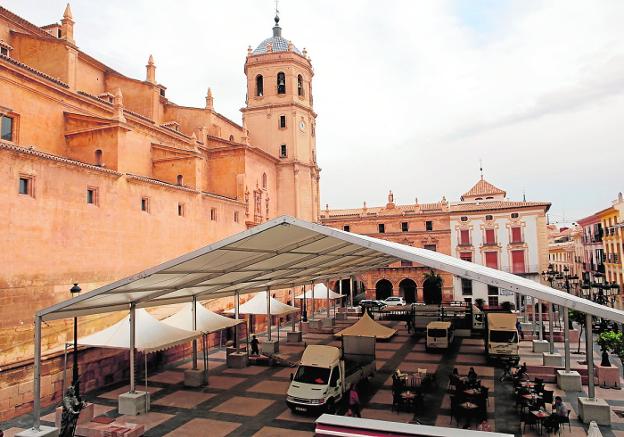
410, 398
527, 384
540, 416
472, 392
468, 406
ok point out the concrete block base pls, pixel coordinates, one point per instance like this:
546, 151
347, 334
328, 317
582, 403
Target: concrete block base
294, 337
86, 415
574, 336
594, 409
328, 323
540, 346
236, 360
608, 376
134, 404
194, 377
269, 347
552, 360
569, 381
314, 325
44, 431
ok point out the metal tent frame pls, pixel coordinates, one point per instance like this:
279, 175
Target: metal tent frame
281, 253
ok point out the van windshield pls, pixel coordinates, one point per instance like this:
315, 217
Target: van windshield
312, 375
503, 337
436, 333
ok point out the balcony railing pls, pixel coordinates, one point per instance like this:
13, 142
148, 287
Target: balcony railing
517, 241
520, 270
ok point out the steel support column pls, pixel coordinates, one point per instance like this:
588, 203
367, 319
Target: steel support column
566, 338
194, 312
589, 350
132, 346
37, 377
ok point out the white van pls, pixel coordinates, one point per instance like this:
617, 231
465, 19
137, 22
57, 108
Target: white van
440, 335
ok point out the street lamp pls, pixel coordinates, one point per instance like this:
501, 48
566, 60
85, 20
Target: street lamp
598, 285
568, 282
550, 276
75, 290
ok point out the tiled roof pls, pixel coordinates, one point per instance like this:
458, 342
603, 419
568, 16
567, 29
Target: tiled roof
483, 188
496, 204
278, 44
382, 210
39, 154
17, 19
32, 70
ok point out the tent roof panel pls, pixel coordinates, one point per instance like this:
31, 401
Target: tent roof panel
289, 252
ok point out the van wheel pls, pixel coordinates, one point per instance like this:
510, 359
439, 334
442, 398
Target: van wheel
330, 407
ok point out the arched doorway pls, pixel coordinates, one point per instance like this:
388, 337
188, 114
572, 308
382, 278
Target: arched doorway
432, 288
383, 289
407, 289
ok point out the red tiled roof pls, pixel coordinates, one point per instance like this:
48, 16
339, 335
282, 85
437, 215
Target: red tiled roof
483, 188
496, 204
34, 71
27, 24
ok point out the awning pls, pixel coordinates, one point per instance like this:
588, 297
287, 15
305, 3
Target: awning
283, 253
258, 305
367, 327
151, 335
320, 292
207, 321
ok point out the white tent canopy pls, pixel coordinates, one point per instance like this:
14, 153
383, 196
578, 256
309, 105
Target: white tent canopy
320, 292
207, 321
282, 253
151, 335
258, 305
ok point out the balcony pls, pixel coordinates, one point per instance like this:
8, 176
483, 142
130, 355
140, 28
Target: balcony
517, 241
521, 270
464, 244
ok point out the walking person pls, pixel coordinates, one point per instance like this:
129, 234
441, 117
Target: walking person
519, 329
354, 402
255, 350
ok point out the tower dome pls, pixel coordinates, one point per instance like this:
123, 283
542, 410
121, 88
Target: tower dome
277, 43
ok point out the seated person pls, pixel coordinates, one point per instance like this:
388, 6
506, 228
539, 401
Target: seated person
559, 413
484, 426
558, 408
472, 375
521, 372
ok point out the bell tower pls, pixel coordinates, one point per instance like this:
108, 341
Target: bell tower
281, 120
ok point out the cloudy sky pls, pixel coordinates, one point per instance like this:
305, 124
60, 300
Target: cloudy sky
410, 95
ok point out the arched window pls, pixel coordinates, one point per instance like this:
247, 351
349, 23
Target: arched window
259, 86
180, 179
300, 85
264, 180
231, 137
281, 83
98, 157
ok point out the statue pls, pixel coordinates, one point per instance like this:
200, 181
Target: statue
71, 412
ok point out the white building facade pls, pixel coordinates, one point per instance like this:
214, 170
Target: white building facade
488, 229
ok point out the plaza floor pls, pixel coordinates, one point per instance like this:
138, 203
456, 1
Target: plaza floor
251, 401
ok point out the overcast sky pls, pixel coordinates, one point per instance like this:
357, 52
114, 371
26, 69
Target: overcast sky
409, 94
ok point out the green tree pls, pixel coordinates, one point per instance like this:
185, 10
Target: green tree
613, 342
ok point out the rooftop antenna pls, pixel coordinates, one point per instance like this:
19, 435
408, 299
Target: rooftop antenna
481, 167
523, 195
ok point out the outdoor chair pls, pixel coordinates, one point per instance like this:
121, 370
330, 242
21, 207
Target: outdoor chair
452, 384
528, 419
397, 401
548, 396
564, 420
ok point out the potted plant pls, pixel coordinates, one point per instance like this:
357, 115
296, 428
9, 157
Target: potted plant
610, 341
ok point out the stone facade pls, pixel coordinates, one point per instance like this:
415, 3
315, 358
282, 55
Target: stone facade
105, 176
461, 229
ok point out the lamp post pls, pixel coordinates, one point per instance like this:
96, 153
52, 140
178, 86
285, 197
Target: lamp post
549, 275
75, 290
569, 280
